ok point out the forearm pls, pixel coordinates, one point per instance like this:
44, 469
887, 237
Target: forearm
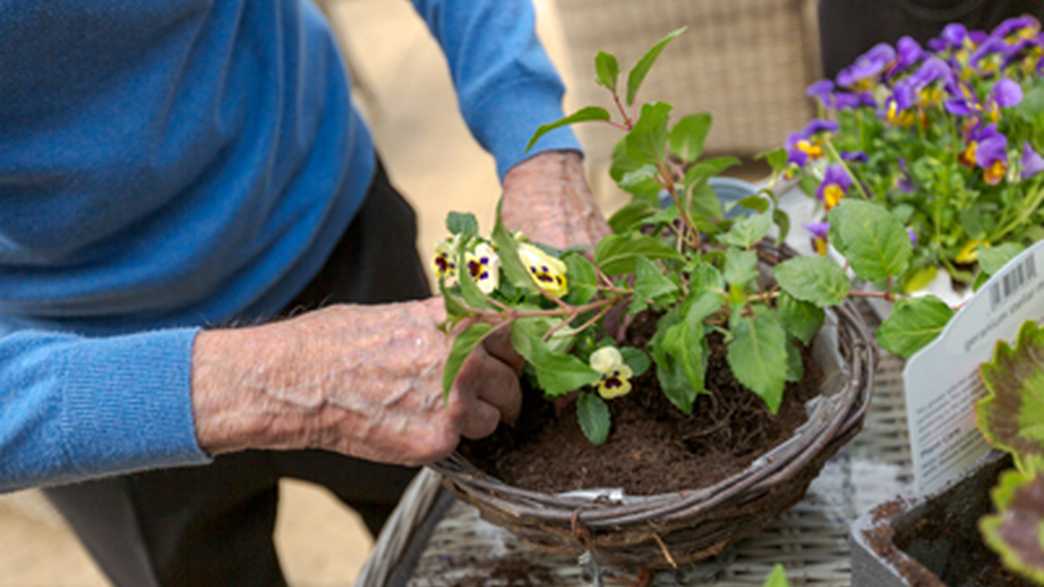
327, 379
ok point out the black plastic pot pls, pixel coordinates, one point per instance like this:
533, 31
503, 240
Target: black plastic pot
899, 543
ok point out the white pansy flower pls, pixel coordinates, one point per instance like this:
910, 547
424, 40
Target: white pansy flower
548, 272
484, 267
445, 262
616, 375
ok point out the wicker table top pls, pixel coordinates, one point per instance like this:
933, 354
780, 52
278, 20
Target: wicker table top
433, 541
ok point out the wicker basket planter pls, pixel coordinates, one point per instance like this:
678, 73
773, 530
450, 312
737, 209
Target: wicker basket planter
668, 530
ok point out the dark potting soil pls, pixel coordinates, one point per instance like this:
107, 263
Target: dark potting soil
653, 447
945, 538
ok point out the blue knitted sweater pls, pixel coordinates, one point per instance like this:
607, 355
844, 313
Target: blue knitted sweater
169, 165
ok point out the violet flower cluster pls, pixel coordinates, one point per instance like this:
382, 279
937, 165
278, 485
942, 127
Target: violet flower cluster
949, 136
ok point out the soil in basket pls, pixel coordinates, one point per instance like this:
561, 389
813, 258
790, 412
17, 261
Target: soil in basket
653, 447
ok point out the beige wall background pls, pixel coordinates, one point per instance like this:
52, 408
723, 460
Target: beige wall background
406, 94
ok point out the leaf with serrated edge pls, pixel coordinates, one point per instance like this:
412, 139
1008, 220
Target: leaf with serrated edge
593, 416
746, 232
630, 215
871, 238
462, 347
757, 356
688, 135
1011, 415
1015, 531
740, 266
913, 324
641, 68
588, 114
801, 319
583, 280
557, 373
994, 259
649, 281
507, 250
616, 254
815, 279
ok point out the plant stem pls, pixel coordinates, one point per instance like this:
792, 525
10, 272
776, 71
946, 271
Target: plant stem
884, 295
628, 123
837, 157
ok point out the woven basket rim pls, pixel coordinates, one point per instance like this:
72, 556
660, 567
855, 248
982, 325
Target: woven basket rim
843, 412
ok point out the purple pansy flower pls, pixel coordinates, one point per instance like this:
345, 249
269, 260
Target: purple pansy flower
834, 186
867, 67
854, 156
819, 232
954, 35
913, 236
1032, 163
908, 52
991, 153
802, 145
821, 90
897, 106
1006, 93
1016, 29
904, 183
847, 100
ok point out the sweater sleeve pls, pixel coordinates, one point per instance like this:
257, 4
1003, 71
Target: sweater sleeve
506, 85
75, 408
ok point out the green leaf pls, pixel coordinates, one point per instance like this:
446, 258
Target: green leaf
776, 158
593, 415
557, 373
777, 578
994, 259
801, 319
623, 164
795, 363
468, 288
650, 282
754, 202
638, 177
647, 141
507, 250
814, 279
872, 239
617, 253
636, 359
588, 114
782, 220
583, 281
740, 266
641, 69
1015, 531
679, 350
455, 306
607, 70
757, 355
706, 277
462, 223
465, 342
920, 279
630, 216
1011, 416
688, 135
704, 205
706, 169
746, 232
913, 324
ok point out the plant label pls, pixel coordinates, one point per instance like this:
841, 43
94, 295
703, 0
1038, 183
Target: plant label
942, 381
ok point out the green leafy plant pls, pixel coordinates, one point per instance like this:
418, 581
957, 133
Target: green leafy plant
699, 273
1011, 418
948, 138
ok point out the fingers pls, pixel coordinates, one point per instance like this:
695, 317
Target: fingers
498, 345
479, 420
492, 381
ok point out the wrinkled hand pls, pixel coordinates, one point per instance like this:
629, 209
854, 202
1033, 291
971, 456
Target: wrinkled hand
548, 199
359, 380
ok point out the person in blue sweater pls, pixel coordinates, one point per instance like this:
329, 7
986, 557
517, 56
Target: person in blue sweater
207, 282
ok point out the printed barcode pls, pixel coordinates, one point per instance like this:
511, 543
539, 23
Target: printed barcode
1012, 281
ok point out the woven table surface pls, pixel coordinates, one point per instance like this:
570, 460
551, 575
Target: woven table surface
434, 541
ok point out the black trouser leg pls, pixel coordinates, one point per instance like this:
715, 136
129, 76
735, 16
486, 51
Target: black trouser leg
213, 525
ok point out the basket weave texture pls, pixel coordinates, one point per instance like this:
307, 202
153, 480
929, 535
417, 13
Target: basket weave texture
668, 530
747, 62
